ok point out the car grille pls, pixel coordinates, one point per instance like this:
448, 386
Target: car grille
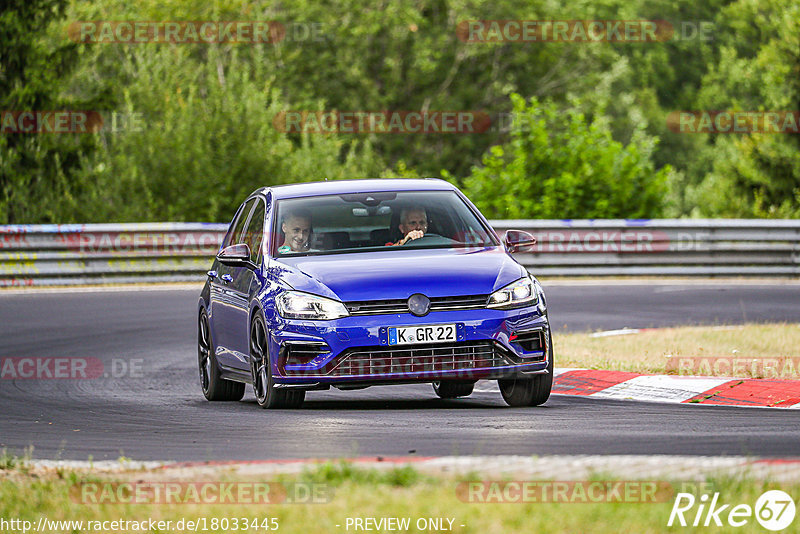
376, 307
378, 361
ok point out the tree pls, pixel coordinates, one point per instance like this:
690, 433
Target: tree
755, 174
559, 164
35, 170
203, 139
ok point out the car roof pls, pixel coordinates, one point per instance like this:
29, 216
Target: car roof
340, 187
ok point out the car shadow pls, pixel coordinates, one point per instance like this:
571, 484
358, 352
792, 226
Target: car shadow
398, 404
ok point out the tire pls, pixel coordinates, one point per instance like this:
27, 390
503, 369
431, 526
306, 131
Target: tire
215, 388
529, 391
451, 389
267, 396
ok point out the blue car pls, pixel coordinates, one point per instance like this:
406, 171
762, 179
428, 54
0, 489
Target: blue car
357, 283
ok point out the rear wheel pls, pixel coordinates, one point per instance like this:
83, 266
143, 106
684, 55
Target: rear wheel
450, 389
214, 387
267, 396
529, 391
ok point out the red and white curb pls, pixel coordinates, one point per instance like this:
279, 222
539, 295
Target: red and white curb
623, 385
596, 383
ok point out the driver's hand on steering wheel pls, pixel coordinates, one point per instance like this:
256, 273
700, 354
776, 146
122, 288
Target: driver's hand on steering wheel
413, 234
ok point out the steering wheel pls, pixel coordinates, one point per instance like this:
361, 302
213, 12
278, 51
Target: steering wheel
430, 239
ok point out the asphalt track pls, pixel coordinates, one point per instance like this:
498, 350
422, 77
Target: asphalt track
158, 413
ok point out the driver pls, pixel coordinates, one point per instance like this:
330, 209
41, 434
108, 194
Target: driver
296, 226
413, 224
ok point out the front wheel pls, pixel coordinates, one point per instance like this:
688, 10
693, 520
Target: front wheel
214, 387
529, 391
267, 396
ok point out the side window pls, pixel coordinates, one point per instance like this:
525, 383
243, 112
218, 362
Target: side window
254, 235
234, 235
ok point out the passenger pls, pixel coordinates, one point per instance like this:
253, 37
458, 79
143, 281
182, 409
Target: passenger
413, 225
296, 227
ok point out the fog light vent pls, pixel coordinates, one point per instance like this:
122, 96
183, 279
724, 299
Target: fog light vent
302, 352
530, 341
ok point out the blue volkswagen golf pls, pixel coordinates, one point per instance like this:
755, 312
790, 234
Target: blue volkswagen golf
358, 283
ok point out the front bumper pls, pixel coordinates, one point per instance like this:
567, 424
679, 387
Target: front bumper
490, 344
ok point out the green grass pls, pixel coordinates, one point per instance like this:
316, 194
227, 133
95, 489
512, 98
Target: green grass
11, 462
650, 351
337, 473
360, 492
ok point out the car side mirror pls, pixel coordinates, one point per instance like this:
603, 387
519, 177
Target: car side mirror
518, 241
236, 256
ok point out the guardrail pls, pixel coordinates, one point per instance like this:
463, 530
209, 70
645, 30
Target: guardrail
128, 253
67, 254
658, 247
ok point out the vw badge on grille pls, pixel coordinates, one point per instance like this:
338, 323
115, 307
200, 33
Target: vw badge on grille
419, 304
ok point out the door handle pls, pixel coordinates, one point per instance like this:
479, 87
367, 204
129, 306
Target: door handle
226, 278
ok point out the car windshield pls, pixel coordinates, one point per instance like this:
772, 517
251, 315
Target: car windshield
360, 222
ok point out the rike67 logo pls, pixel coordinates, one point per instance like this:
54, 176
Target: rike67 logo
774, 510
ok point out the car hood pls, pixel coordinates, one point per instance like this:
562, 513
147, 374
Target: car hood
398, 275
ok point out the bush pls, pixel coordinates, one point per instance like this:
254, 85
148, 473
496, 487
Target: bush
561, 165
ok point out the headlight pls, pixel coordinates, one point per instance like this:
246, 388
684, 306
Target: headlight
540, 294
297, 305
514, 295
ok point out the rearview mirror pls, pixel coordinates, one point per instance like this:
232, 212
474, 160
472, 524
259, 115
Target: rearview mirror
372, 211
519, 241
236, 256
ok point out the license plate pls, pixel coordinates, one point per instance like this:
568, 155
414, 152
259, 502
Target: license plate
415, 335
